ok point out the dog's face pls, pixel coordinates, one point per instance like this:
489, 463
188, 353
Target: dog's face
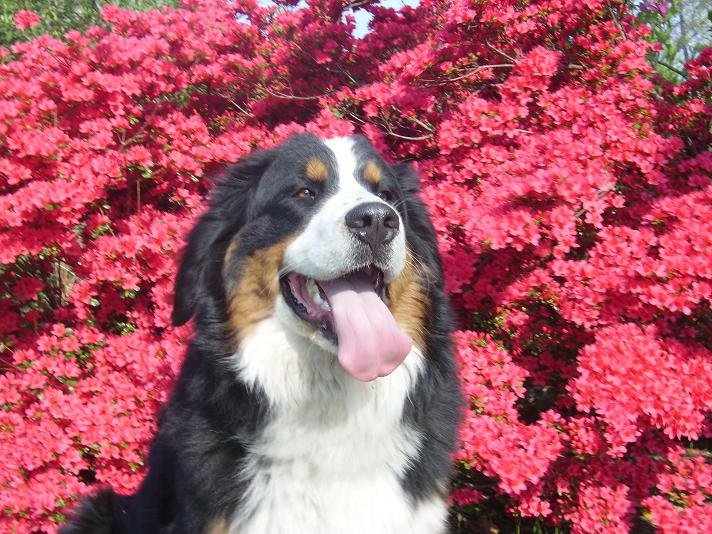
315, 234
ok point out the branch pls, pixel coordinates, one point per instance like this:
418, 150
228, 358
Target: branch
356, 117
346, 73
477, 69
670, 67
426, 126
614, 15
470, 72
389, 131
500, 52
407, 137
277, 94
356, 4
239, 107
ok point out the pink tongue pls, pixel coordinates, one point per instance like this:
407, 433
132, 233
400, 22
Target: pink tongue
370, 342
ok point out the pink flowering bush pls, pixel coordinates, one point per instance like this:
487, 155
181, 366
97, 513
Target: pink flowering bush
570, 188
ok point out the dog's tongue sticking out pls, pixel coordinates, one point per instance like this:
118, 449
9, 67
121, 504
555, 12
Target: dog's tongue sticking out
370, 342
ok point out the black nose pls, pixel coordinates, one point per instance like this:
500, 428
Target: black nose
374, 223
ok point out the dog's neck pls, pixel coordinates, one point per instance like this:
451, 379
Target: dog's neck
292, 370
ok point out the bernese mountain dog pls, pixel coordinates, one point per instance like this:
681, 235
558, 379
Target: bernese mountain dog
319, 394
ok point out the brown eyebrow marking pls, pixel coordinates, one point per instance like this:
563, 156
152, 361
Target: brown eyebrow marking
316, 170
217, 526
372, 172
232, 247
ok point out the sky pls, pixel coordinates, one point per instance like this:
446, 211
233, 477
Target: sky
363, 17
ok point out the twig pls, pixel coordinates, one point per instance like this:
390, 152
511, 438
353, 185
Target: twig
356, 4
477, 69
407, 137
427, 127
614, 15
277, 94
343, 71
240, 108
492, 47
670, 67
390, 132
620, 27
472, 71
356, 117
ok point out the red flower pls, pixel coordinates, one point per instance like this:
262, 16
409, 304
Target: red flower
24, 19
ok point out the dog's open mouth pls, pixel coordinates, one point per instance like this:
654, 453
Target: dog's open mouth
351, 312
309, 301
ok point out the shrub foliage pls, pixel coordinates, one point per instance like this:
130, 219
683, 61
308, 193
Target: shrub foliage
571, 193
21, 20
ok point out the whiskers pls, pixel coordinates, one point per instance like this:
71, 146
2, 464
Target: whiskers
420, 269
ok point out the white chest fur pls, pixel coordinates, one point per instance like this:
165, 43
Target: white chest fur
330, 459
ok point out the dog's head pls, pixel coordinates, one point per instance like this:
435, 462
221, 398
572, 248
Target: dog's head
322, 235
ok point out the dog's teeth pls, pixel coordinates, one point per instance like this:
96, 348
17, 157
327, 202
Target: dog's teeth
312, 289
315, 295
322, 303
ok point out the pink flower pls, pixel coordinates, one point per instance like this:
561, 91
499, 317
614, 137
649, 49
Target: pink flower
26, 19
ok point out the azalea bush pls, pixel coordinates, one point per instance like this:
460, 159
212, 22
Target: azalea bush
570, 187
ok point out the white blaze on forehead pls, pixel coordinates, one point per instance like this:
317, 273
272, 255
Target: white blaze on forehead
343, 149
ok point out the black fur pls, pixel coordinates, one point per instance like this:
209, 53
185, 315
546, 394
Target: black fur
102, 513
435, 405
212, 415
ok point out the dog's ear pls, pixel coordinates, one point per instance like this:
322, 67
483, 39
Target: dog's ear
416, 216
408, 179
228, 211
409, 185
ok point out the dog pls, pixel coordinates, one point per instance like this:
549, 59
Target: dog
319, 393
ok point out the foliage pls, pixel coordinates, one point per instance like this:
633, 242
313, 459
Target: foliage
571, 193
682, 27
58, 17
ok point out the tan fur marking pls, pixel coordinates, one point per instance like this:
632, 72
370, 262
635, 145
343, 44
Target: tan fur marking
252, 299
372, 172
409, 300
217, 526
316, 170
231, 248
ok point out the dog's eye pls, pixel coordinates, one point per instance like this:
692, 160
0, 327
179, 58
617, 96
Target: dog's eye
305, 192
386, 196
